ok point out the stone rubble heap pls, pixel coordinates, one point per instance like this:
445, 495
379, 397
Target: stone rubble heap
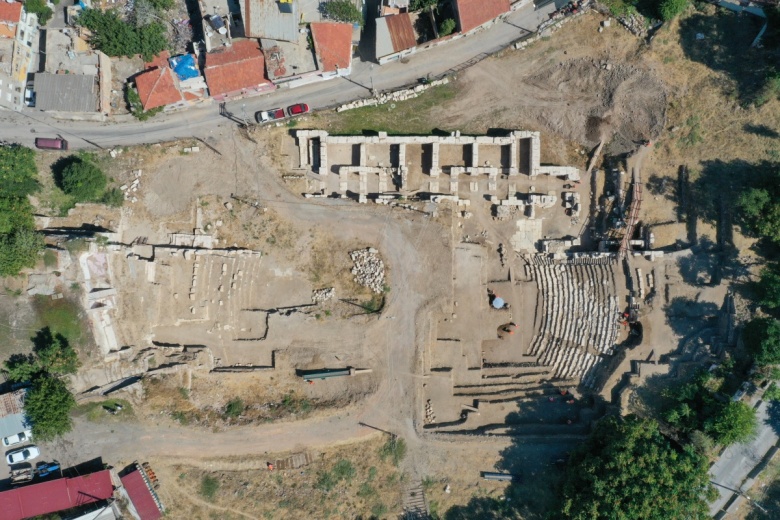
323, 295
369, 270
398, 95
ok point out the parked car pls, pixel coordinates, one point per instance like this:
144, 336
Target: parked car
29, 96
23, 454
50, 143
269, 115
25, 436
296, 110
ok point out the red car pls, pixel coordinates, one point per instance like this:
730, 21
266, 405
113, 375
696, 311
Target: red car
296, 110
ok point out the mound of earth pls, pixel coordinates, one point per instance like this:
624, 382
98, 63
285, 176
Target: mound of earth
583, 100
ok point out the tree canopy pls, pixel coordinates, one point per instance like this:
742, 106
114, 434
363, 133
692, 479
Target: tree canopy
760, 211
734, 422
628, 470
55, 355
447, 27
342, 11
769, 287
48, 405
19, 250
40, 8
762, 340
669, 9
83, 180
115, 37
18, 173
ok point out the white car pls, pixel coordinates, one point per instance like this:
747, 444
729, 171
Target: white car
21, 455
25, 436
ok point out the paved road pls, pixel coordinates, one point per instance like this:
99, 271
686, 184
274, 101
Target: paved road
202, 121
739, 460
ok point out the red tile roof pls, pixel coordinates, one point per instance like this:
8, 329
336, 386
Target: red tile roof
55, 495
332, 45
10, 13
473, 13
401, 31
238, 67
157, 88
140, 496
161, 60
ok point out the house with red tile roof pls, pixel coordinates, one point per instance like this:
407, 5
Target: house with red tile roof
236, 71
473, 14
170, 83
332, 47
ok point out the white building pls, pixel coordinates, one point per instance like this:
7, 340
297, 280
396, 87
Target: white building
18, 33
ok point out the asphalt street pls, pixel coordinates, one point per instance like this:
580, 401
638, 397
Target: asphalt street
737, 461
201, 121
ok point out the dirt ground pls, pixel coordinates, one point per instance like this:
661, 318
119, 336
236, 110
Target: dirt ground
577, 88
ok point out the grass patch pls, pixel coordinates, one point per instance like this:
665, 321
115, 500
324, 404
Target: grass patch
394, 449
209, 487
295, 404
61, 316
99, 411
185, 394
414, 116
49, 259
375, 304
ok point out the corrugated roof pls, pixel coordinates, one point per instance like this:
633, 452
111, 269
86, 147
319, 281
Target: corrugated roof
401, 31
10, 12
139, 494
238, 67
473, 13
157, 88
332, 45
265, 19
55, 495
66, 92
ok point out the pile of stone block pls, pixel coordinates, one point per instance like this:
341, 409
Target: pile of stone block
369, 269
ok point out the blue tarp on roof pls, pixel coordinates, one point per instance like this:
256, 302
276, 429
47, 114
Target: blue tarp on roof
184, 66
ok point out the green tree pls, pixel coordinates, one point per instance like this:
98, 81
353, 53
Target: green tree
447, 27
342, 11
760, 212
15, 214
83, 180
40, 8
736, 422
669, 9
628, 470
21, 368
19, 250
115, 37
55, 355
48, 405
18, 173
762, 340
136, 108
417, 5
768, 287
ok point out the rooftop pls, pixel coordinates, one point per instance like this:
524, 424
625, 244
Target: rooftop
473, 13
66, 92
332, 45
238, 67
157, 88
394, 34
270, 19
55, 495
286, 59
10, 12
140, 495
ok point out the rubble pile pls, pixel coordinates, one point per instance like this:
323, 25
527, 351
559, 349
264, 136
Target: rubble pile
323, 295
369, 270
129, 190
398, 95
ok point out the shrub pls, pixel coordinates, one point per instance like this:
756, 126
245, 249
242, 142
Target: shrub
18, 173
19, 250
344, 470
772, 393
209, 487
326, 481
342, 11
113, 197
136, 108
669, 9
83, 180
447, 27
234, 408
394, 449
